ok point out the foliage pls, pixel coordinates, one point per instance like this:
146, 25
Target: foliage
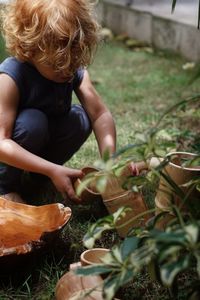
157, 141
164, 253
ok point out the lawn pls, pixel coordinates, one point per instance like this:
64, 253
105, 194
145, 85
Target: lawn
137, 86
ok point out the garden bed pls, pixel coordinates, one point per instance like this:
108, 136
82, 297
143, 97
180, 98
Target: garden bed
138, 85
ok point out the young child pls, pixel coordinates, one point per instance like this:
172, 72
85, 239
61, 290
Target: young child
51, 43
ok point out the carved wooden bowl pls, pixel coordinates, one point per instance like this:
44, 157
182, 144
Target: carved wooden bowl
25, 227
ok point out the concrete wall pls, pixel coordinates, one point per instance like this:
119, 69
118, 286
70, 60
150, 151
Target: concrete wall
154, 25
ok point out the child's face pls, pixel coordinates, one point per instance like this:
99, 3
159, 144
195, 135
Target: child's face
49, 73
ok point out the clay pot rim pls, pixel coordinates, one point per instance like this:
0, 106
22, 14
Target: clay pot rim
181, 167
87, 262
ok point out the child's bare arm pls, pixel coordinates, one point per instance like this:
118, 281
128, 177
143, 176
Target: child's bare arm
101, 118
13, 154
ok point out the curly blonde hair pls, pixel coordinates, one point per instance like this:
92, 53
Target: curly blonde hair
61, 33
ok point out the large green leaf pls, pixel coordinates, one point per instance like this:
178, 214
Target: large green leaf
93, 270
142, 256
111, 285
83, 185
128, 246
176, 238
171, 270
101, 183
167, 252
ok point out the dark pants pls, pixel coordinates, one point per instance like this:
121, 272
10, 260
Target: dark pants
54, 138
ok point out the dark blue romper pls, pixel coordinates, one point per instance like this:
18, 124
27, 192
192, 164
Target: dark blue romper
47, 123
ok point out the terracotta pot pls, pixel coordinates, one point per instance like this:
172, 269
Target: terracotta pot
132, 200
180, 175
115, 196
25, 227
89, 194
71, 285
93, 256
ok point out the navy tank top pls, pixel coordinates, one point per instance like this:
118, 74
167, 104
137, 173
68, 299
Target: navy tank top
37, 91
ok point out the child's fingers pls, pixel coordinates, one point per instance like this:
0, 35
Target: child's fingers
69, 192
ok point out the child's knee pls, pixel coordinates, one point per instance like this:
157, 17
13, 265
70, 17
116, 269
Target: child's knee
31, 129
82, 121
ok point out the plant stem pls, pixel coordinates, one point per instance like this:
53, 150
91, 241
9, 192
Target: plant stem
136, 217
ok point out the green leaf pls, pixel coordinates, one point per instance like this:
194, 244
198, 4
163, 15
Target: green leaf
101, 183
170, 250
198, 187
110, 260
84, 184
126, 276
197, 256
192, 231
111, 285
116, 253
128, 246
141, 257
120, 213
171, 270
169, 237
95, 232
93, 270
107, 223
160, 152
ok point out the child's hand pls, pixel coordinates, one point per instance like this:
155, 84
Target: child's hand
63, 179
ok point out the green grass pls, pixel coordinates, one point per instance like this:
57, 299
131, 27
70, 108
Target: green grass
137, 87
3, 53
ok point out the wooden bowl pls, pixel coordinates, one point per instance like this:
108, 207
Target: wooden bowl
24, 228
